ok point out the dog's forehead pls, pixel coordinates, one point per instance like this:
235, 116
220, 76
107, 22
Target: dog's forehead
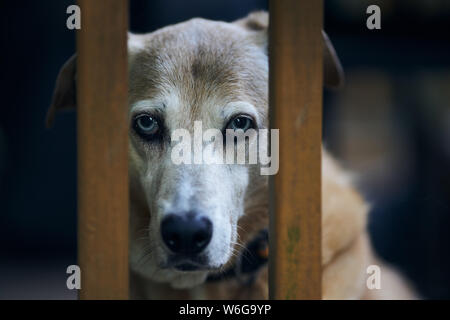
199, 60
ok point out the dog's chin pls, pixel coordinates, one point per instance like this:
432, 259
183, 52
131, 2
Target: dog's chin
188, 280
179, 273
180, 279
177, 279
187, 275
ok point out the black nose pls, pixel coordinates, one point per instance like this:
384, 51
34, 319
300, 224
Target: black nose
186, 234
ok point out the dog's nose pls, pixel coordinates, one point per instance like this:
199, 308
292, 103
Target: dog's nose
186, 234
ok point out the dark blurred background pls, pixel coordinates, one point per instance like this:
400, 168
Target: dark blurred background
390, 125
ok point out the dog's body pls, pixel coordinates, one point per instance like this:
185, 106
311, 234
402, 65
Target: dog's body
217, 73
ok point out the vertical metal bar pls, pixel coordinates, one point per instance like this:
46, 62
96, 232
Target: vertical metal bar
296, 109
103, 149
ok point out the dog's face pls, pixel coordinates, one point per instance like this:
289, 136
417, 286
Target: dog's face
198, 71
187, 220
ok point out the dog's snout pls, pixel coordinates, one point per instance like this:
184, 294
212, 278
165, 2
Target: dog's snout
186, 234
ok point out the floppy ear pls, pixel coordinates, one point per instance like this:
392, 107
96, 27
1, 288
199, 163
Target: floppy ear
258, 22
333, 74
64, 95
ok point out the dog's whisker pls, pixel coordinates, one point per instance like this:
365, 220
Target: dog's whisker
147, 253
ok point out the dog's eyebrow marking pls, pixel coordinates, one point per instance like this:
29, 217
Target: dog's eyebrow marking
240, 107
145, 105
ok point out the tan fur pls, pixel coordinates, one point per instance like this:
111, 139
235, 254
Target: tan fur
206, 64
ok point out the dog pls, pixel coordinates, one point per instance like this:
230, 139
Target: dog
192, 226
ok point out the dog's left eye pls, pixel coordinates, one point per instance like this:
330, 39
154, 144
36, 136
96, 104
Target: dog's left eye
241, 122
146, 126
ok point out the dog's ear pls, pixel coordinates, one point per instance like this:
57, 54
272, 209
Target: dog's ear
255, 21
333, 74
258, 23
64, 95
136, 44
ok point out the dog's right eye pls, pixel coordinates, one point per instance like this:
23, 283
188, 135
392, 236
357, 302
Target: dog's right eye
146, 126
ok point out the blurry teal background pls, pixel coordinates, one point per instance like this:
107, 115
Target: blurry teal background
390, 125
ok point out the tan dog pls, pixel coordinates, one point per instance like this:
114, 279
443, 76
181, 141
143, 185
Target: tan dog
189, 222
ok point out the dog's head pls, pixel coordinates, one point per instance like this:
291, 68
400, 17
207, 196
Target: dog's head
188, 220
